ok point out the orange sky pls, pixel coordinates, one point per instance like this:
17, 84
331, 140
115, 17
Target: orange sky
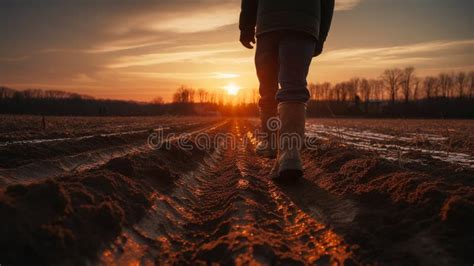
142, 49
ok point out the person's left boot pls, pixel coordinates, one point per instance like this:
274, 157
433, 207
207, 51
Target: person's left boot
288, 166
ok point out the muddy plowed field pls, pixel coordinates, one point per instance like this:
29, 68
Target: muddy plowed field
85, 191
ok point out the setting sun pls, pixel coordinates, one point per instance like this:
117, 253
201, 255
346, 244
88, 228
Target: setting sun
232, 89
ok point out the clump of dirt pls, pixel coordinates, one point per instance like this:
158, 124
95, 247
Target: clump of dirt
399, 202
59, 221
455, 208
69, 219
121, 165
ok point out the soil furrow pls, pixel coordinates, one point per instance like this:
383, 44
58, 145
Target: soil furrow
80, 162
230, 212
189, 204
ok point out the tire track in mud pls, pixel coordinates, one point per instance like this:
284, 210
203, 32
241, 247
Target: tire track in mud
228, 211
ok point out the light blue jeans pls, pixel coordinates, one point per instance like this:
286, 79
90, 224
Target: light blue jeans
282, 60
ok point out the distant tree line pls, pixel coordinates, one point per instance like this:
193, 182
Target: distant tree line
185, 94
52, 102
398, 85
393, 85
396, 93
399, 93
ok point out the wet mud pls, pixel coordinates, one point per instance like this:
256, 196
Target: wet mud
176, 206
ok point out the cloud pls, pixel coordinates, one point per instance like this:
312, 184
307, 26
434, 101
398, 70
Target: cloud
181, 17
14, 59
194, 17
219, 75
126, 44
396, 55
122, 45
161, 58
342, 5
203, 20
185, 75
83, 78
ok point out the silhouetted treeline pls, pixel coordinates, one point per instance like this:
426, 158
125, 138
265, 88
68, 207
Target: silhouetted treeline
397, 85
396, 93
45, 102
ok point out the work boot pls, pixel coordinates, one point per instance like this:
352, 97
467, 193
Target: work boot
288, 166
267, 145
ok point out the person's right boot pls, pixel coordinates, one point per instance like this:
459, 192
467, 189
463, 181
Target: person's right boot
288, 166
267, 145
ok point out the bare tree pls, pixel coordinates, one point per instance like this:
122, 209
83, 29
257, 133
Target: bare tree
183, 95
377, 89
6, 93
416, 88
452, 85
313, 91
471, 84
342, 95
338, 92
429, 85
365, 90
157, 100
213, 98
320, 92
192, 93
408, 75
391, 78
461, 82
202, 95
325, 88
436, 88
445, 84
35, 93
353, 88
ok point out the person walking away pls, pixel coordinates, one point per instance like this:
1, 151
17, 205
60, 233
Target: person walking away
287, 34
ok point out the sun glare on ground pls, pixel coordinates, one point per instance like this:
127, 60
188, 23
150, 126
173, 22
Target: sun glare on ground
232, 89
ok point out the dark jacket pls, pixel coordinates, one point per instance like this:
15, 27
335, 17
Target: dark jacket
310, 16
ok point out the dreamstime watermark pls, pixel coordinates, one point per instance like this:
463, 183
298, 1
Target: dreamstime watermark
206, 141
